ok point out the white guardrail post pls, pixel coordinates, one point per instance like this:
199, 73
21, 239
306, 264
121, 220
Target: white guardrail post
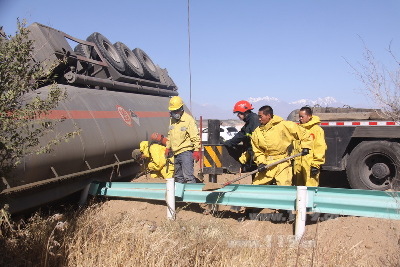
170, 198
301, 209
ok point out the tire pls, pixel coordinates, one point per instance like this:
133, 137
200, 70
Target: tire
82, 50
150, 70
166, 79
107, 50
374, 165
133, 67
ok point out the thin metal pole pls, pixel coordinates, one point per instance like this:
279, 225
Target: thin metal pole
201, 144
190, 67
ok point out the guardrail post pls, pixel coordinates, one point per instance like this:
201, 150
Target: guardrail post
170, 198
84, 195
301, 209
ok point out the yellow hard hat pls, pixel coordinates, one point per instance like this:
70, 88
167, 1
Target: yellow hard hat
175, 103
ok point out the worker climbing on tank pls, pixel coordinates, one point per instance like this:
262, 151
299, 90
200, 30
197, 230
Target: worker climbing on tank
307, 168
243, 109
183, 141
153, 154
271, 141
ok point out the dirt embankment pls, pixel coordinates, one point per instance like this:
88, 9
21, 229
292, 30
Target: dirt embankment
367, 241
374, 241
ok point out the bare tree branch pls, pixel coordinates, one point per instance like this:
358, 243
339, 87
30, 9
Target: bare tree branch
380, 84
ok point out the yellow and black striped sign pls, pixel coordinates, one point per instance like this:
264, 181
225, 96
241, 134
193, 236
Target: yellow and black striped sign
217, 160
212, 156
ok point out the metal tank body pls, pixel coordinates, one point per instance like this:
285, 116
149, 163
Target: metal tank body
112, 124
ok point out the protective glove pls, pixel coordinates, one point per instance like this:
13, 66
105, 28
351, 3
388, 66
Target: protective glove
305, 151
227, 144
262, 167
136, 154
314, 171
196, 155
168, 153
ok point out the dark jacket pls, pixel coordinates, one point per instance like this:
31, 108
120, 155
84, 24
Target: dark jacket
251, 123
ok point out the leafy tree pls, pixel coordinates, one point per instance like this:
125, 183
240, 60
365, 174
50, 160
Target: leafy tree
23, 111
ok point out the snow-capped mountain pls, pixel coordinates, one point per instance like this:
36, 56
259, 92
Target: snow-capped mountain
281, 108
265, 98
327, 101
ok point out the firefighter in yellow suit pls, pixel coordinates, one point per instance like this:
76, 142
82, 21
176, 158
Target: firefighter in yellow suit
157, 164
271, 141
306, 169
183, 141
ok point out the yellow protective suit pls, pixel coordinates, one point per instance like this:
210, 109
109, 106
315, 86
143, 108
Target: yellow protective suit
270, 143
316, 158
157, 162
245, 157
183, 134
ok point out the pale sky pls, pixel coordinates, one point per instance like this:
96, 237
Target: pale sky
239, 49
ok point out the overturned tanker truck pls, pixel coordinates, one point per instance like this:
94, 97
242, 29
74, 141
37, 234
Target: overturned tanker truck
116, 97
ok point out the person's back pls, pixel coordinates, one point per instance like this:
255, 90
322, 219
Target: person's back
158, 164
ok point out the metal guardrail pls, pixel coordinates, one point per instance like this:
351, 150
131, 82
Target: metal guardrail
355, 202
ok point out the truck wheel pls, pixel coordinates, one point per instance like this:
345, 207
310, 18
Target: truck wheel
107, 50
132, 64
82, 50
149, 68
374, 165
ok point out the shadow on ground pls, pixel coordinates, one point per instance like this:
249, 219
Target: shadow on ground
335, 179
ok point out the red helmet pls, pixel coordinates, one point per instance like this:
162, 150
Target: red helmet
159, 138
242, 106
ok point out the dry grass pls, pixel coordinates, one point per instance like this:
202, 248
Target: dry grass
37, 242
93, 238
